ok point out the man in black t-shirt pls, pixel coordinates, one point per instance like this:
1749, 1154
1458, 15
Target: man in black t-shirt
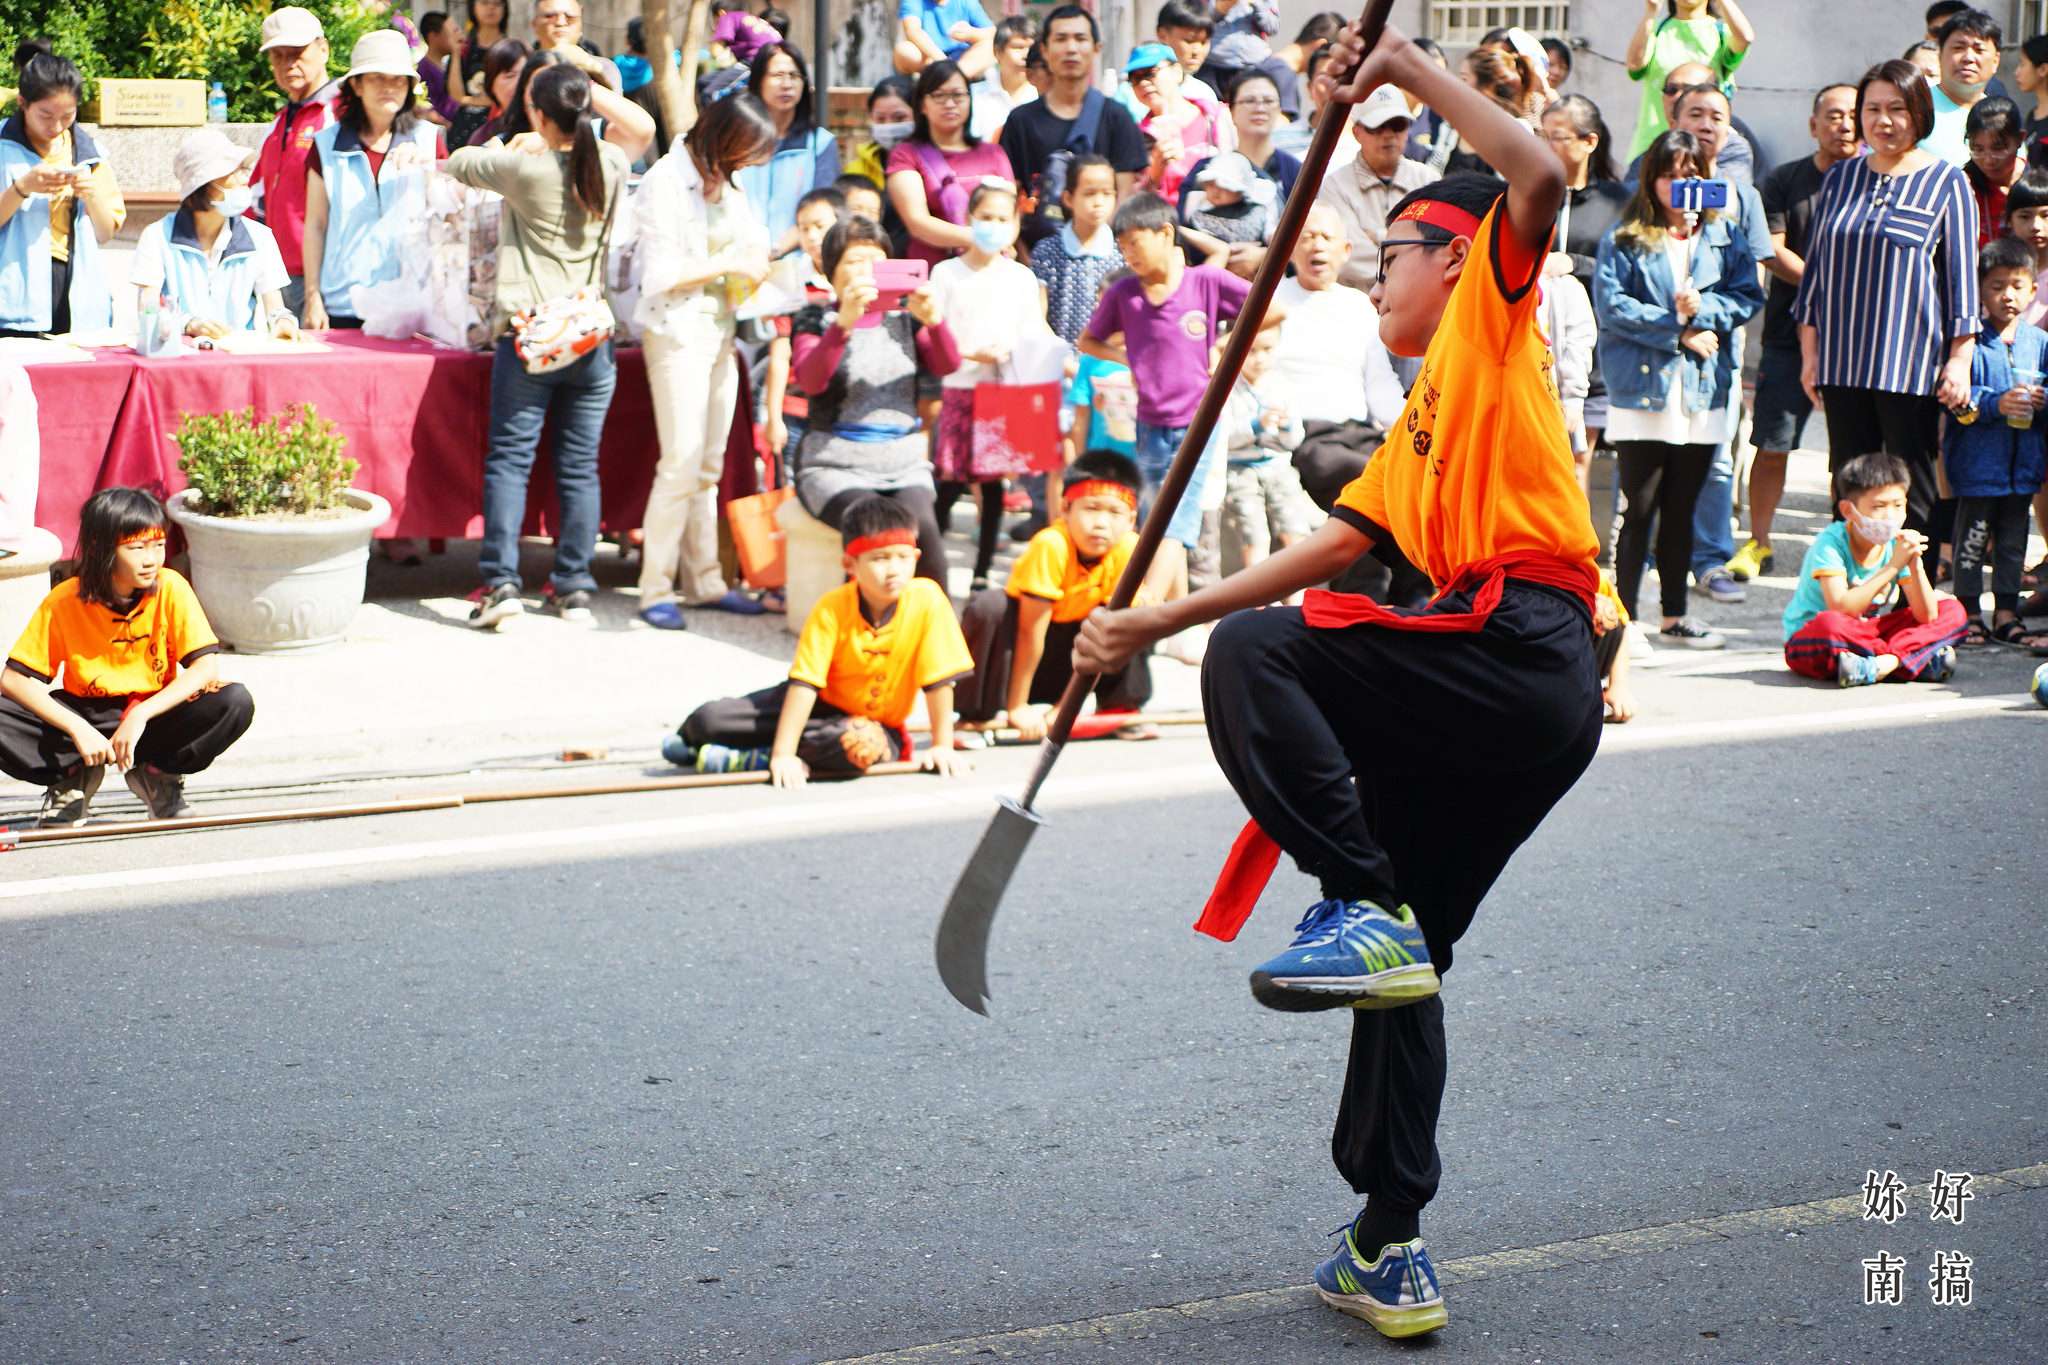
1037, 136
1782, 407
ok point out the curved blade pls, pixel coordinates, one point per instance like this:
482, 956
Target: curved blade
962, 943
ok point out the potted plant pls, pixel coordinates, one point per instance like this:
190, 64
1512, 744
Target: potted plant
280, 543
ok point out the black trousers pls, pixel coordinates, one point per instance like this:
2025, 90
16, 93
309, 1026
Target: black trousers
2000, 523
749, 723
185, 739
989, 523
923, 504
990, 624
1661, 481
1863, 421
1404, 768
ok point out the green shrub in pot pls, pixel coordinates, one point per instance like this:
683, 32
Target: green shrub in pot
280, 542
292, 463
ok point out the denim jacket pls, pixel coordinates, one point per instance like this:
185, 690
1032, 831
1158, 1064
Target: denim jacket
1986, 458
1633, 293
25, 303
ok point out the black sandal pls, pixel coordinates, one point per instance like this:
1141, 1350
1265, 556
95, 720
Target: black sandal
2015, 635
1977, 636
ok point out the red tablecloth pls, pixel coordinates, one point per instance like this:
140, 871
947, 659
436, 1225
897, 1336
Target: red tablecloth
416, 417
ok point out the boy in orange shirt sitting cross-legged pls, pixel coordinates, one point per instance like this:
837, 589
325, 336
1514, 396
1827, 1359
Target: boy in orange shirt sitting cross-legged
867, 650
1022, 634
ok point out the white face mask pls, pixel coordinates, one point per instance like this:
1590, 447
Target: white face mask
992, 237
1876, 530
889, 134
235, 201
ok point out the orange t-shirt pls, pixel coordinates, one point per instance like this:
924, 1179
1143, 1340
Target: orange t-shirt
1479, 466
1051, 568
104, 653
877, 669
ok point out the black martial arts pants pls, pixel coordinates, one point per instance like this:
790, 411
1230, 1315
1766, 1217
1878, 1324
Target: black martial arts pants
183, 740
749, 723
990, 624
1405, 768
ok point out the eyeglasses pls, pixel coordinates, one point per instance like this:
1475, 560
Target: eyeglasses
1387, 252
1264, 102
948, 97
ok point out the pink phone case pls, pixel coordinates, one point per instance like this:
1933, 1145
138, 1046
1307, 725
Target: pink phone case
896, 280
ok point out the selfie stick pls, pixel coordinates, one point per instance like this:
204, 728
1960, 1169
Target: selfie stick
962, 946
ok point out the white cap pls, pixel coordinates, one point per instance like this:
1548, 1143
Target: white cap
204, 157
1230, 171
1381, 107
382, 52
291, 27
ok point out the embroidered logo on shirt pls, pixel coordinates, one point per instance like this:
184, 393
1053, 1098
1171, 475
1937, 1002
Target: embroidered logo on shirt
1195, 323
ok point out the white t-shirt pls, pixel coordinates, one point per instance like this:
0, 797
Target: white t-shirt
1331, 358
987, 307
992, 105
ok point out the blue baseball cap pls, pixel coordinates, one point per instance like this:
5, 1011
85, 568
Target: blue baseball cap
1147, 56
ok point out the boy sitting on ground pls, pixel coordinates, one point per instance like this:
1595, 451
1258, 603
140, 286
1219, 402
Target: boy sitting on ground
1854, 565
1022, 635
867, 649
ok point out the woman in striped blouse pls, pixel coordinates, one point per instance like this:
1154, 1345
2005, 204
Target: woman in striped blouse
1887, 312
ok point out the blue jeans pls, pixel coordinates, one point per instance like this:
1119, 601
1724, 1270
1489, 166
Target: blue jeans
1713, 540
1155, 450
576, 399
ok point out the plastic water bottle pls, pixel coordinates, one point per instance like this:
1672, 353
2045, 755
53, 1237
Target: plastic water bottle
217, 104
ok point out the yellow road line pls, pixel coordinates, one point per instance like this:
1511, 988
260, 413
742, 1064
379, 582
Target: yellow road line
1606, 1246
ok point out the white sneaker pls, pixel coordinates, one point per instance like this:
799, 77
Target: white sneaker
1187, 646
1692, 633
1640, 650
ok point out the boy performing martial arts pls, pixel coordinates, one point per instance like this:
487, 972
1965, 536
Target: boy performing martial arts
1402, 755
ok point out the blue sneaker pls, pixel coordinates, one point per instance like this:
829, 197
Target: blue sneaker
1398, 1293
1858, 670
1942, 666
723, 758
1349, 953
679, 751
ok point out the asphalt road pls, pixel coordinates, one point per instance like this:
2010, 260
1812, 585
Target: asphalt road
671, 1078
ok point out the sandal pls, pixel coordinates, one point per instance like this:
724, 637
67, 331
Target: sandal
2015, 635
1977, 636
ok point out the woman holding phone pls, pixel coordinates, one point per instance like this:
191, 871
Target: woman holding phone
859, 362
58, 203
1670, 291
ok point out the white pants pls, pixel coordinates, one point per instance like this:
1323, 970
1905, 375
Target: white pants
694, 384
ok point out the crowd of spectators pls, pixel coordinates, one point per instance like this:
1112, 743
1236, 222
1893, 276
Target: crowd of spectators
1013, 190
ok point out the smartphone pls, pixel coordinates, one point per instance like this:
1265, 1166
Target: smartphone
896, 281
1697, 196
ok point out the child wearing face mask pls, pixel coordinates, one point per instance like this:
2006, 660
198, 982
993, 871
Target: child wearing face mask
890, 122
220, 271
992, 300
1866, 561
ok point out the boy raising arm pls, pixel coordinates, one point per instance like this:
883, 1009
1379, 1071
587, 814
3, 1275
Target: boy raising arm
1401, 756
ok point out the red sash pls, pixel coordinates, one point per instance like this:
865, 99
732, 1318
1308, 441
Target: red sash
1254, 856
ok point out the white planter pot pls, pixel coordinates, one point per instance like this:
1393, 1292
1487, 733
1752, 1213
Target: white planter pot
280, 585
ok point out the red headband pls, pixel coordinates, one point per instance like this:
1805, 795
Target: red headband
1102, 488
1438, 214
882, 540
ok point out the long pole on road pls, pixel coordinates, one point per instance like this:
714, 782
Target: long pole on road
961, 946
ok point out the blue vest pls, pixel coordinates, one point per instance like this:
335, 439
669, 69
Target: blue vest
774, 187
200, 288
366, 217
25, 246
